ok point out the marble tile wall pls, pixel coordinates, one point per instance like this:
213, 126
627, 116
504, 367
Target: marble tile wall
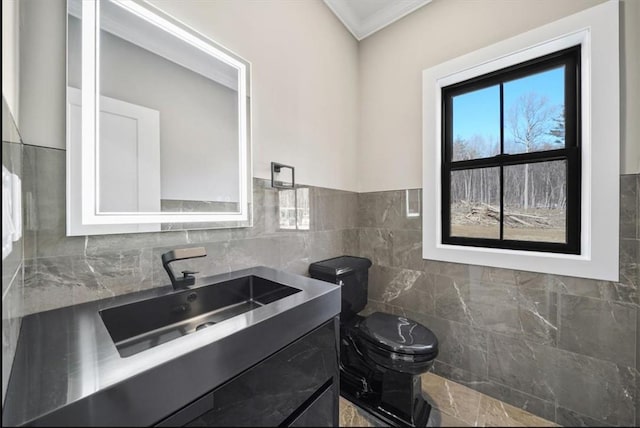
12, 278
566, 349
61, 270
563, 348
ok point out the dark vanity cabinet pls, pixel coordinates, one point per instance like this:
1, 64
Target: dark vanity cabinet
276, 364
296, 386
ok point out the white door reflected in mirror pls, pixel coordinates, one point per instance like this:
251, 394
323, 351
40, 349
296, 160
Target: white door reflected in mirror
170, 143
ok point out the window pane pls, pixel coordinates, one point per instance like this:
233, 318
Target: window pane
476, 124
534, 117
535, 200
475, 203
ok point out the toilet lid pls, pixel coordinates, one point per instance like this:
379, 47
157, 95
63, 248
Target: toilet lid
398, 334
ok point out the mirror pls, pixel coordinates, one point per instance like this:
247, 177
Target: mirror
157, 123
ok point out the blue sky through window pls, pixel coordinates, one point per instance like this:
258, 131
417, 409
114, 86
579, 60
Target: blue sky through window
476, 115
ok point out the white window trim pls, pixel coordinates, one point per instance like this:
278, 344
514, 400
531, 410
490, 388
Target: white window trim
597, 30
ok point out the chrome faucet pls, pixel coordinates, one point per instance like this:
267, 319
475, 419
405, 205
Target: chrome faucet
182, 254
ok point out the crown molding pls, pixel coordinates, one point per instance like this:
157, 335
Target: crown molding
361, 28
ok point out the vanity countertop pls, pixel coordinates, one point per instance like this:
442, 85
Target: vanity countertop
67, 367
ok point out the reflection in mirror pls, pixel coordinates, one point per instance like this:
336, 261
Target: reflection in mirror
294, 209
413, 199
171, 120
168, 119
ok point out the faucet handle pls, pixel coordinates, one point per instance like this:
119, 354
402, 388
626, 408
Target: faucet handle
187, 277
187, 273
182, 254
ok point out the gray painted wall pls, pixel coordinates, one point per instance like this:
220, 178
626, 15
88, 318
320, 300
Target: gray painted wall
42, 88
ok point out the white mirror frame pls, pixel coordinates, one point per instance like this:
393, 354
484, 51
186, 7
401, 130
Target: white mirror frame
87, 208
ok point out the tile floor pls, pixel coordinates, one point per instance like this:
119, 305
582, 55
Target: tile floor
454, 405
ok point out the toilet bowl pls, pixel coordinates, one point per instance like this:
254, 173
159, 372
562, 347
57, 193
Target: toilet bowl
381, 355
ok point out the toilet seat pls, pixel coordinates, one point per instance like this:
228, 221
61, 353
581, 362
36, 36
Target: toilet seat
399, 335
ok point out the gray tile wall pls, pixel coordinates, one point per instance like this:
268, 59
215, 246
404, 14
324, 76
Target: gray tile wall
62, 271
567, 349
12, 300
564, 348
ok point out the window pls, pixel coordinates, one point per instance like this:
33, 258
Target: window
511, 157
480, 159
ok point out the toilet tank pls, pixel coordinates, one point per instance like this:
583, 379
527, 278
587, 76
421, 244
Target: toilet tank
352, 273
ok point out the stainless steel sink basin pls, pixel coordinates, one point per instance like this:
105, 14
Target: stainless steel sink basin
138, 326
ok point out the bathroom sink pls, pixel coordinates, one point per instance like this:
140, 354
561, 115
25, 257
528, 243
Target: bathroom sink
138, 326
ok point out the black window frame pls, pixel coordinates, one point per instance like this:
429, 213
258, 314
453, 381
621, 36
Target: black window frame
571, 153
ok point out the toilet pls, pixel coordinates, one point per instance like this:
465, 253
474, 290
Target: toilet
381, 355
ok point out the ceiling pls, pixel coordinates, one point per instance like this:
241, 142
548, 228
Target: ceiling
365, 17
